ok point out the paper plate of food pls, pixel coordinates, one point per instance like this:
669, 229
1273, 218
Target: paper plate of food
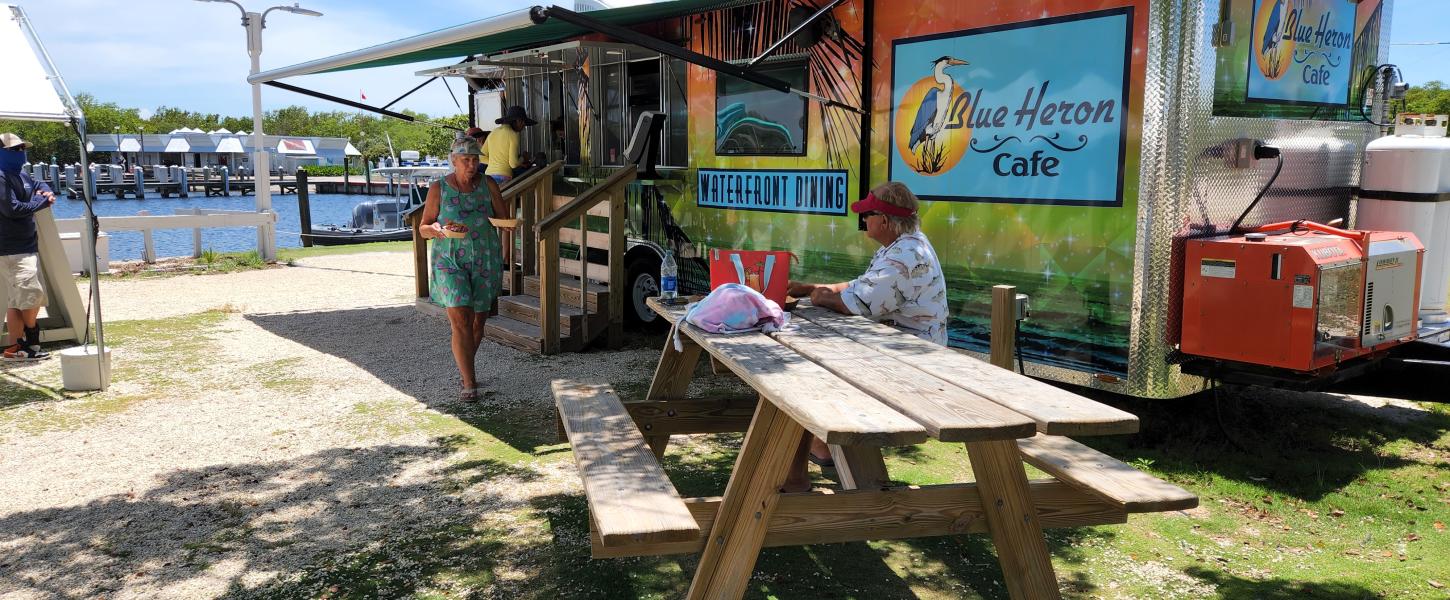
503, 223
455, 230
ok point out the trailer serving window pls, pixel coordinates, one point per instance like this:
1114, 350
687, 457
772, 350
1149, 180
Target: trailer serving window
754, 120
607, 85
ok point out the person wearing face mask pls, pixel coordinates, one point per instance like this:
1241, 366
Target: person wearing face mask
19, 251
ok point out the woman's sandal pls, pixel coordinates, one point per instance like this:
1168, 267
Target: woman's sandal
468, 394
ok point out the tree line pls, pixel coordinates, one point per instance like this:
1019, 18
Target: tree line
367, 132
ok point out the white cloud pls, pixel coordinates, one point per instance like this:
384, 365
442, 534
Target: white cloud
192, 55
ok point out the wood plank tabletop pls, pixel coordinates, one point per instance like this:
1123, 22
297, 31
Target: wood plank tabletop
950, 413
823, 403
1056, 411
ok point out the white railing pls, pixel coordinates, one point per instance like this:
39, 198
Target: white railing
195, 219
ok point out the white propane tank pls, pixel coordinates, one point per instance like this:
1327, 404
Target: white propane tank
1405, 186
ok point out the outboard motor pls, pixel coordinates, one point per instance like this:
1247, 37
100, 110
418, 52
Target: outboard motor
362, 216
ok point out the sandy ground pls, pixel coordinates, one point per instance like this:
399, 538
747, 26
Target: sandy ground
308, 442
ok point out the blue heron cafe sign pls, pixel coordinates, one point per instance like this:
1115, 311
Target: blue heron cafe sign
1032, 112
1300, 51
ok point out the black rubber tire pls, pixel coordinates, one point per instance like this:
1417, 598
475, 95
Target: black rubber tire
642, 277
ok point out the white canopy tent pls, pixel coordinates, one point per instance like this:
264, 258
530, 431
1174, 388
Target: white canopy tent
33, 90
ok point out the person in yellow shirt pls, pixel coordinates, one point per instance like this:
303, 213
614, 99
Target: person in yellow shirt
501, 148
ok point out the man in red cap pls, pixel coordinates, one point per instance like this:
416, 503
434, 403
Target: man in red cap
904, 287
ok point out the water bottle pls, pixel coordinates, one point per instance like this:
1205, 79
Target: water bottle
669, 274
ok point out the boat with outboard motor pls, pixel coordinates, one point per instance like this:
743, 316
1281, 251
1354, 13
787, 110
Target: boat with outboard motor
383, 220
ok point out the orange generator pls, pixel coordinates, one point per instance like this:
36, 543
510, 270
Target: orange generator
1299, 295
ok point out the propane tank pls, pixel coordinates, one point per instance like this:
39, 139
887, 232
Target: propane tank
1405, 186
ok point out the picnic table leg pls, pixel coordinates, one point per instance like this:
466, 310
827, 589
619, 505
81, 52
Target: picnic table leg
859, 467
750, 498
1012, 519
672, 378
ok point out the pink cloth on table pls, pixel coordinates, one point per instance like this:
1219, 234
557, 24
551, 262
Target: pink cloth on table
733, 308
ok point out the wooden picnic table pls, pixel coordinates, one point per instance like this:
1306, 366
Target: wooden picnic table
858, 386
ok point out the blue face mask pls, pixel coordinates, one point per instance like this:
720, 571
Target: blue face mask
11, 160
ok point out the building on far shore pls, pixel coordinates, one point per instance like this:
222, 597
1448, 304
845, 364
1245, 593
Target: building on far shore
197, 148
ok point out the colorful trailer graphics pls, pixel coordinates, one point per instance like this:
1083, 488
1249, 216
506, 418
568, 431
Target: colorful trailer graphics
1026, 127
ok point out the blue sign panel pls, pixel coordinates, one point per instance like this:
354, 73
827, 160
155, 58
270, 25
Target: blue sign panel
1300, 51
773, 190
1032, 112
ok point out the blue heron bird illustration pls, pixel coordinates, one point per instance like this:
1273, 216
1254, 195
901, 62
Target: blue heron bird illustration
931, 116
1272, 35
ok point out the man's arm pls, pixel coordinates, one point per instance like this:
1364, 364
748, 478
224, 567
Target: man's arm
825, 297
15, 207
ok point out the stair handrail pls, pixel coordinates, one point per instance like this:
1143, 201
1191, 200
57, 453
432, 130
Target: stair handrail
534, 192
547, 233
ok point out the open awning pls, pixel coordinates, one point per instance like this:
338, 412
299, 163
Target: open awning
503, 32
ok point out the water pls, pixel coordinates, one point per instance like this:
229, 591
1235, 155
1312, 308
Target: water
327, 209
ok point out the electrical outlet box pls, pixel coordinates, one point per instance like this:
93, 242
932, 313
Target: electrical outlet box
1020, 308
1238, 153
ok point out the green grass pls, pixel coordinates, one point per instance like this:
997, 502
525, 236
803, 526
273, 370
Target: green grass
149, 356
291, 254
1298, 501
212, 262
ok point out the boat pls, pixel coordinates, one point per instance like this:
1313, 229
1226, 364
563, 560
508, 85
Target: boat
383, 220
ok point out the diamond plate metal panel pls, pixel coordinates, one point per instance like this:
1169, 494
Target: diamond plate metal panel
1187, 189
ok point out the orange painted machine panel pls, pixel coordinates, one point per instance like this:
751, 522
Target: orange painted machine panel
1293, 301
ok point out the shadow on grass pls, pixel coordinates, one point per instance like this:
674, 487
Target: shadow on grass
352, 521
1304, 445
1229, 586
16, 391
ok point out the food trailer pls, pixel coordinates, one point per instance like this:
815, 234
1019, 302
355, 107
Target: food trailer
1074, 149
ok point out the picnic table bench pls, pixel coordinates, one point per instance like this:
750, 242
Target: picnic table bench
858, 386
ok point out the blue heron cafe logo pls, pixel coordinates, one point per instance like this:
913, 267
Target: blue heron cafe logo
1032, 112
1300, 52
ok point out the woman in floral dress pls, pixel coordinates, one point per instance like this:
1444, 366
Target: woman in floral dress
467, 272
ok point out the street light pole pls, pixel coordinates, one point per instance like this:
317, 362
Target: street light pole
261, 169
255, 23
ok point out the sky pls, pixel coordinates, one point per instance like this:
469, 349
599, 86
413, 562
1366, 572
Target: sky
192, 55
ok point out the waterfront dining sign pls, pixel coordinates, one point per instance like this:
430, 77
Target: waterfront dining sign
814, 192
1032, 112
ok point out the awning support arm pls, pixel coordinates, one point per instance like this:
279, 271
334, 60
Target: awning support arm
408, 93
541, 14
359, 105
792, 33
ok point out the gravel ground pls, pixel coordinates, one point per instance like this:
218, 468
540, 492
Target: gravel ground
307, 443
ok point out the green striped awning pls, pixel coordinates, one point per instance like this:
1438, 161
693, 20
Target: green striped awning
547, 33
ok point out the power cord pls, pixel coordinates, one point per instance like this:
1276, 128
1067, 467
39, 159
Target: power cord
1261, 151
1017, 343
1364, 89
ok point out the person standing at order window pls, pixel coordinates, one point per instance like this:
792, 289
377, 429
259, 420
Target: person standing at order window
467, 272
483, 139
903, 287
20, 250
501, 149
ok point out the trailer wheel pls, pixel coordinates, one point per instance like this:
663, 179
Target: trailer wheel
643, 277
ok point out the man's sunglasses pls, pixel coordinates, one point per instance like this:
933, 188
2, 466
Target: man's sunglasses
869, 214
